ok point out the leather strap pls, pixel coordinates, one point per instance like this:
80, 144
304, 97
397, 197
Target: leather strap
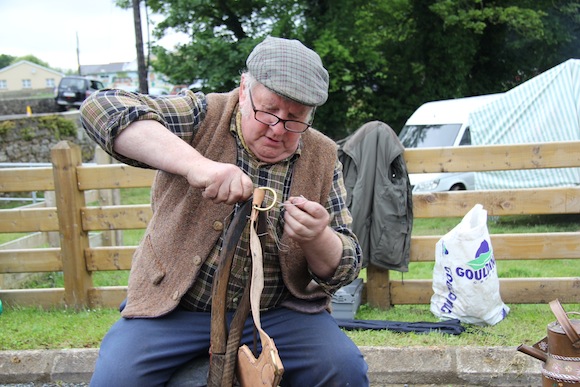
257, 282
565, 323
267, 369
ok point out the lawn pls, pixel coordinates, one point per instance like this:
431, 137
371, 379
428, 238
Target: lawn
32, 328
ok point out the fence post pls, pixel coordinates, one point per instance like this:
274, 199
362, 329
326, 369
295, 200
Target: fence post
378, 289
66, 157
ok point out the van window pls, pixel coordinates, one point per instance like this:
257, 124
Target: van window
466, 138
427, 136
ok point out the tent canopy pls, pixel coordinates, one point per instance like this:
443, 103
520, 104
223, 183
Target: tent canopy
545, 108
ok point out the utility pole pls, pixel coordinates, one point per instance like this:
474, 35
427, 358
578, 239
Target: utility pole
78, 55
141, 65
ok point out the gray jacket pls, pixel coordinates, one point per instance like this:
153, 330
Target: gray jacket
379, 194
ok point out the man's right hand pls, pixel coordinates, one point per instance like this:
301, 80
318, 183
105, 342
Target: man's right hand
221, 183
151, 143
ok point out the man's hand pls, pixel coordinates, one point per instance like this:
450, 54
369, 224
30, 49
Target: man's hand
221, 183
305, 220
307, 223
151, 143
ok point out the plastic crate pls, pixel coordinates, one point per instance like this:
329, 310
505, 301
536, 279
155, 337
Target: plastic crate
346, 300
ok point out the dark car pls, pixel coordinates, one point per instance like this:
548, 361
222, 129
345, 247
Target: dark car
72, 91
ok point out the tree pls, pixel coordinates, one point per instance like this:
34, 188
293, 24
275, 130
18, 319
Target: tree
6, 60
385, 57
399, 54
222, 36
31, 58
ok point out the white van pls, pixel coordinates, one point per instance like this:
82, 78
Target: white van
442, 124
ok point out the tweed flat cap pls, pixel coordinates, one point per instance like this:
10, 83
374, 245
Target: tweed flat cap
290, 69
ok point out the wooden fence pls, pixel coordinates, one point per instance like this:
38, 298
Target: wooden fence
73, 220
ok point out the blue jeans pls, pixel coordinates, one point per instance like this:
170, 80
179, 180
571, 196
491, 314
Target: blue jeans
146, 352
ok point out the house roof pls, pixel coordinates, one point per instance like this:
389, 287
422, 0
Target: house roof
107, 68
22, 62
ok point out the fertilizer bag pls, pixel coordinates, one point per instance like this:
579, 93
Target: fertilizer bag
465, 281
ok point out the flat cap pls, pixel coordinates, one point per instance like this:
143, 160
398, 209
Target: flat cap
289, 69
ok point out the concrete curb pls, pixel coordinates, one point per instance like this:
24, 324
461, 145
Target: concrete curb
69, 365
388, 366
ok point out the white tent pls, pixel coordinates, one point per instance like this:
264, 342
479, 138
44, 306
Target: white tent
545, 108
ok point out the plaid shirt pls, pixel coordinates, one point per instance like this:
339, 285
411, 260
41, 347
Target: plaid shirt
182, 115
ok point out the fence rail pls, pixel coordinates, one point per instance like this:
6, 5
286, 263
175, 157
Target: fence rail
73, 219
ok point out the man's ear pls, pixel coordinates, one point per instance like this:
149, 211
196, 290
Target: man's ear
241, 92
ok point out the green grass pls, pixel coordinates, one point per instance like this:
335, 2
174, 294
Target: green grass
56, 280
525, 324
504, 225
505, 269
4, 238
6, 205
33, 328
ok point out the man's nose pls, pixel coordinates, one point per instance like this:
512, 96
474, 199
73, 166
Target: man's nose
279, 128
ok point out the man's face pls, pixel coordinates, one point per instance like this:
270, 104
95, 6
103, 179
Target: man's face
270, 143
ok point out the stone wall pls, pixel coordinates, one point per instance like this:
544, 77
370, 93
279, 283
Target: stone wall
16, 102
18, 106
25, 139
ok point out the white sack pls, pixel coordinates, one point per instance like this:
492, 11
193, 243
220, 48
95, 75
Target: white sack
465, 281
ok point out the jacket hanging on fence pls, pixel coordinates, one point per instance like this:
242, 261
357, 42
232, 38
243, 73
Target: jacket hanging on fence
379, 194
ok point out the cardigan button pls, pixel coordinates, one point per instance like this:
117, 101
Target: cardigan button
175, 295
218, 226
197, 260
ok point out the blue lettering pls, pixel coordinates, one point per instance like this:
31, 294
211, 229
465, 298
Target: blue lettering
447, 307
479, 274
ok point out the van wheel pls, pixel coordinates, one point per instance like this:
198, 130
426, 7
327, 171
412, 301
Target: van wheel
457, 187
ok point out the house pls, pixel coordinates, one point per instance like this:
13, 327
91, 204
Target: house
113, 74
123, 75
25, 75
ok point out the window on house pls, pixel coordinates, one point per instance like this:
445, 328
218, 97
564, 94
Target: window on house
50, 82
3, 84
26, 84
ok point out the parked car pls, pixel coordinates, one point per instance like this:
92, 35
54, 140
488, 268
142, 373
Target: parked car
158, 91
134, 89
73, 90
131, 89
442, 124
177, 89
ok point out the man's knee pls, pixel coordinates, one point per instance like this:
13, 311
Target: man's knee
342, 367
350, 366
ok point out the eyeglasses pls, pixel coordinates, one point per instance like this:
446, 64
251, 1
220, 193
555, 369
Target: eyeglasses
272, 119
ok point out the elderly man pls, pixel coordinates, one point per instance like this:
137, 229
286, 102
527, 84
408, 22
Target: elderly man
211, 151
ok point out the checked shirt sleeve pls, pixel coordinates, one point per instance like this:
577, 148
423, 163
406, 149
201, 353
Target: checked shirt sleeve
106, 113
341, 222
